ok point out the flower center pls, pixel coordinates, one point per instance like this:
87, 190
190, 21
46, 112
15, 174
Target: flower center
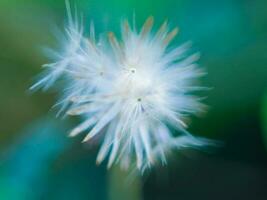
133, 70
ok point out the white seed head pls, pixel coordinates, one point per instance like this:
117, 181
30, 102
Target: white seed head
133, 89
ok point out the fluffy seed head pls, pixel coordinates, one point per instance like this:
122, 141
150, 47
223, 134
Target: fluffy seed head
132, 90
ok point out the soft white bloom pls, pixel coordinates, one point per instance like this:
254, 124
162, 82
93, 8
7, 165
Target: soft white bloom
133, 90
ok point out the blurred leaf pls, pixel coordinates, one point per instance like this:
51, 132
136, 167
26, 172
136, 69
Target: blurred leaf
25, 163
264, 119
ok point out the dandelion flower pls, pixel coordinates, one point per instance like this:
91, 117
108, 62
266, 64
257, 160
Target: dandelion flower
132, 90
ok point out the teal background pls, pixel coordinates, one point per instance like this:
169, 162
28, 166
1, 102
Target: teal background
38, 161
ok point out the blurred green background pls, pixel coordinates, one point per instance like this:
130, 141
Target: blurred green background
38, 161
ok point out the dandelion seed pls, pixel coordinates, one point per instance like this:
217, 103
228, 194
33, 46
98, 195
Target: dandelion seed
133, 89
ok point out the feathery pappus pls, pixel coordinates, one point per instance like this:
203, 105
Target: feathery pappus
134, 90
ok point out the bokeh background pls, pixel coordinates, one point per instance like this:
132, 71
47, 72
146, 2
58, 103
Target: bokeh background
38, 161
